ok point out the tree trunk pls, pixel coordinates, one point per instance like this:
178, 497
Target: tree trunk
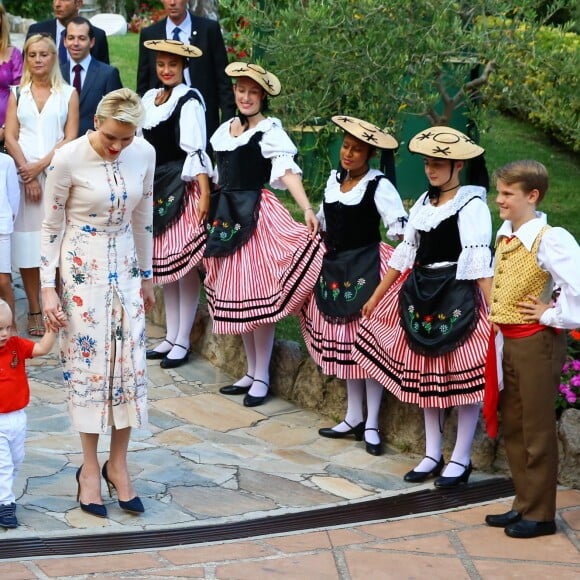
207, 8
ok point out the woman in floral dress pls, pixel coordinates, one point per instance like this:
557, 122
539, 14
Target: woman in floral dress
98, 231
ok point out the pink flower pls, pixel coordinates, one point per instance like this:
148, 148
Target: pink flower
576, 365
575, 381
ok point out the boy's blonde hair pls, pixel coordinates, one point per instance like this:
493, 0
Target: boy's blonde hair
527, 172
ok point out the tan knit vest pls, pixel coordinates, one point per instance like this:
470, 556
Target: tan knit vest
516, 276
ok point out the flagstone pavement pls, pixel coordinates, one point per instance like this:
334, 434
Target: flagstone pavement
206, 459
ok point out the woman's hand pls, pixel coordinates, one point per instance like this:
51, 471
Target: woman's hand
369, 306
148, 294
30, 170
311, 221
53, 317
33, 191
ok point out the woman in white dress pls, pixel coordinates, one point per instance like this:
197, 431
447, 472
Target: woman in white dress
42, 115
98, 231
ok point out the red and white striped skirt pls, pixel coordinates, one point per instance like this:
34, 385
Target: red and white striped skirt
330, 344
267, 278
180, 248
454, 378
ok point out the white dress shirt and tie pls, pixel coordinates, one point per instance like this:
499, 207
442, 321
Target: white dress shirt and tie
183, 34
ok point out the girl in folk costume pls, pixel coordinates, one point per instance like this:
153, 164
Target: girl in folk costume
260, 264
175, 126
427, 339
355, 200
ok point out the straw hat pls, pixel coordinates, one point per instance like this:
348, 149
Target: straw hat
173, 47
366, 132
265, 79
444, 143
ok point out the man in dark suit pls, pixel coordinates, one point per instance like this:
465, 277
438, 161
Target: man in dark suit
91, 78
206, 73
65, 11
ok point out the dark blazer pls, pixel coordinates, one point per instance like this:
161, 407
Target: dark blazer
100, 79
207, 72
100, 50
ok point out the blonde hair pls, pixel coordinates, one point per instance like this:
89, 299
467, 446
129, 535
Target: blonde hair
4, 304
56, 80
123, 105
4, 30
528, 173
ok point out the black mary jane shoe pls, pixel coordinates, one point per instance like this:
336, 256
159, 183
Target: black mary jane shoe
503, 520
420, 476
173, 363
530, 529
95, 509
134, 505
444, 482
357, 431
374, 448
253, 401
156, 355
236, 389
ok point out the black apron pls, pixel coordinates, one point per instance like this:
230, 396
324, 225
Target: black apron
351, 269
234, 207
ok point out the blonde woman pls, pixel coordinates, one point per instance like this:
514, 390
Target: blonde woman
43, 114
98, 232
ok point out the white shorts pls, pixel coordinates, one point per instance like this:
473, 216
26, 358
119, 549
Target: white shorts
5, 254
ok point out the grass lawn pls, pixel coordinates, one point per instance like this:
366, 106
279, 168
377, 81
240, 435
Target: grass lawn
507, 140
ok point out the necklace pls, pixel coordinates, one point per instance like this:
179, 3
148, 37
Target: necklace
454, 187
350, 177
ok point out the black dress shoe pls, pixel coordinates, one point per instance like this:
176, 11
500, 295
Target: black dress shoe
503, 520
155, 354
357, 431
374, 448
253, 401
236, 389
420, 476
530, 529
173, 363
95, 509
443, 481
134, 505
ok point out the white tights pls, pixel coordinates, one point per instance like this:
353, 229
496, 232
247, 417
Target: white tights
467, 416
355, 390
258, 346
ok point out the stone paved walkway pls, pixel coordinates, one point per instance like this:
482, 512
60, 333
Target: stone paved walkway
207, 459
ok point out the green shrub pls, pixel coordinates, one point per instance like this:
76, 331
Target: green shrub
540, 84
36, 9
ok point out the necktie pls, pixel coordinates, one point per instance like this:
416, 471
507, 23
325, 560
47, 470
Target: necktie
77, 68
176, 32
62, 52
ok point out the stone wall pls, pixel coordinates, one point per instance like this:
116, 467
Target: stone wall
295, 377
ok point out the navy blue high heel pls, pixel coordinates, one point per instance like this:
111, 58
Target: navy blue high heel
95, 509
134, 506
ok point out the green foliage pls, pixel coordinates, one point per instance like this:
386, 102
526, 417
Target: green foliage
36, 9
124, 53
541, 83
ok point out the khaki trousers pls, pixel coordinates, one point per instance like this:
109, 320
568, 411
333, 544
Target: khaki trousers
532, 368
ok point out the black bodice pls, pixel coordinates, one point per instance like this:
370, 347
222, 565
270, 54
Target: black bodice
441, 244
165, 136
244, 168
353, 226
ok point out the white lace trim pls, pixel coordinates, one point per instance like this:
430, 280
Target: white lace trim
403, 257
222, 140
426, 217
158, 113
474, 263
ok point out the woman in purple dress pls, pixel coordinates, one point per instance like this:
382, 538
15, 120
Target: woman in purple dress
10, 68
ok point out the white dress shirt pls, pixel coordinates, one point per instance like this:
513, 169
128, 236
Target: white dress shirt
185, 37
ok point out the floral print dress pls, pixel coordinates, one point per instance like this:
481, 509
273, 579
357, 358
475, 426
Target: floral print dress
98, 231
